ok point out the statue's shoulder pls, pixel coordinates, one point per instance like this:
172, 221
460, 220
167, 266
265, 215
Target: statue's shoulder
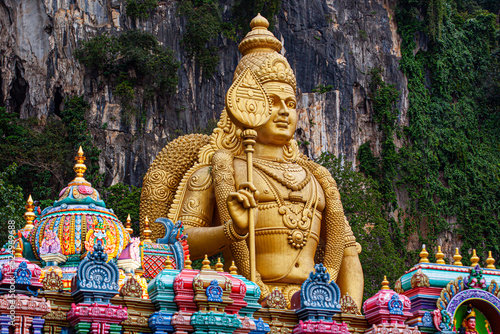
321, 173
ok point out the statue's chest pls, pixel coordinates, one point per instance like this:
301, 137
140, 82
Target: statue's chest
283, 182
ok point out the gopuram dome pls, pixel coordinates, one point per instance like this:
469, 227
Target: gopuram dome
77, 220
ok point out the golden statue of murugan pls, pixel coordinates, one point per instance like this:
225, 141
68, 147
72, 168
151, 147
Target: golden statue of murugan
293, 202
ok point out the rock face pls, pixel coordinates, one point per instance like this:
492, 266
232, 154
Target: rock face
332, 42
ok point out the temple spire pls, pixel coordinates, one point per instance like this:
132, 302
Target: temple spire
80, 168
29, 215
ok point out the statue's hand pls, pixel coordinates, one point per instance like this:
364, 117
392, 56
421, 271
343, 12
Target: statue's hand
239, 203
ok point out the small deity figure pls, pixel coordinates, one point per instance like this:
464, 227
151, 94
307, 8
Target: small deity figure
100, 232
202, 181
50, 243
469, 322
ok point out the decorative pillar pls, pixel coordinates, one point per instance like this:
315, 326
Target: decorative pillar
82, 327
37, 325
5, 321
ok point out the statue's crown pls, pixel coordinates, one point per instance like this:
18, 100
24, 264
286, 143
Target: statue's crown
260, 50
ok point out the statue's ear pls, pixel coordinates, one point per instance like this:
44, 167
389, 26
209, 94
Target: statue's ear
247, 103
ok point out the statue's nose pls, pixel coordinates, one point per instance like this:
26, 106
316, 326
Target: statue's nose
283, 109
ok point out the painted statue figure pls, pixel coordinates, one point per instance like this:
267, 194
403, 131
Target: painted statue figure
202, 182
50, 243
469, 322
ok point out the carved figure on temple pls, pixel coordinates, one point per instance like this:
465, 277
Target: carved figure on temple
203, 181
50, 244
469, 322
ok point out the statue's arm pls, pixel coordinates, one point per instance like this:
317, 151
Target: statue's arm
351, 279
198, 214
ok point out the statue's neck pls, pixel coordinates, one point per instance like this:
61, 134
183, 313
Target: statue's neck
268, 151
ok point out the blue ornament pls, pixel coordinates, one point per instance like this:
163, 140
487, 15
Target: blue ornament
395, 305
319, 298
427, 319
22, 275
96, 279
172, 237
214, 292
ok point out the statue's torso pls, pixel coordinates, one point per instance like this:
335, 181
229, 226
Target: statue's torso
280, 218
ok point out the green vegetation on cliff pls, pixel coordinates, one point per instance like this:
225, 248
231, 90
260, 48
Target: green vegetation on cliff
449, 166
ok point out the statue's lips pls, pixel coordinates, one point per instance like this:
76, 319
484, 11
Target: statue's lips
282, 124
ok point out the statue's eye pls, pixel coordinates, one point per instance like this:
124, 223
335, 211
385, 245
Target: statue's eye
290, 104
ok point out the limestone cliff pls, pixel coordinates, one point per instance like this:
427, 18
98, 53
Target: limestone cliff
331, 42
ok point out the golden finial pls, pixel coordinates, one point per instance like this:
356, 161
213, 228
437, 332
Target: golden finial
219, 266
168, 263
385, 284
259, 22
206, 263
128, 225
259, 39
423, 255
29, 215
490, 261
457, 257
440, 256
146, 233
474, 259
80, 168
18, 251
187, 263
233, 269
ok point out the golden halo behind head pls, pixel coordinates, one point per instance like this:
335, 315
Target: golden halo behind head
260, 53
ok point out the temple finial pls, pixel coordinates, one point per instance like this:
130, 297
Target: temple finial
219, 266
233, 270
440, 256
18, 251
385, 284
128, 225
80, 168
456, 258
206, 263
146, 233
187, 263
490, 261
29, 215
423, 255
474, 259
168, 263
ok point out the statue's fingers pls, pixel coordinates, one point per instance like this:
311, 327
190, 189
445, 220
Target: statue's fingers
248, 185
251, 198
247, 198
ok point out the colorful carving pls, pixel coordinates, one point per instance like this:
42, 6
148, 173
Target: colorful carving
131, 288
348, 305
275, 299
321, 326
52, 281
96, 279
50, 243
319, 298
214, 292
475, 279
419, 279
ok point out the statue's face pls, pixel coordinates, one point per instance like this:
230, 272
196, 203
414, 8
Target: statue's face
281, 126
471, 323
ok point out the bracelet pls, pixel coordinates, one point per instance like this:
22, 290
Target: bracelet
231, 234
